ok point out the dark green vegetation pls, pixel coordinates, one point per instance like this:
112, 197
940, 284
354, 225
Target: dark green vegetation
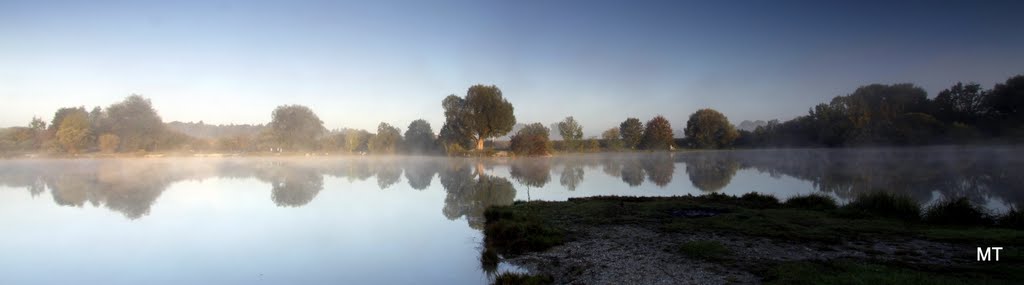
812, 219
902, 114
509, 232
873, 115
509, 278
705, 249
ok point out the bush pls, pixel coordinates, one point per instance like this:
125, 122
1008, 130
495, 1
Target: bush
813, 201
886, 204
531, 140
957, 211
759, 201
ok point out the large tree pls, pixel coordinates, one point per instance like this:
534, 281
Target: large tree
658, 134
419, 137
386, 140
632, 131
708, 128
483, 113
571, 132
74, 132
136, 123
295, 127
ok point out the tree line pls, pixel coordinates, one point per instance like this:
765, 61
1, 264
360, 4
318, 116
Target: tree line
877, 114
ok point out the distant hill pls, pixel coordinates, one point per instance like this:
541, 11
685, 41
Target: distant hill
747, 125
205, 131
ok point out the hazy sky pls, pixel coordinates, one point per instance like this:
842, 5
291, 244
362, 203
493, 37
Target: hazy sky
357, 64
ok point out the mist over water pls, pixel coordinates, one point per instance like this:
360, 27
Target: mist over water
356, 219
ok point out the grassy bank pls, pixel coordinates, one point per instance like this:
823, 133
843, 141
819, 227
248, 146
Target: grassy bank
817, 222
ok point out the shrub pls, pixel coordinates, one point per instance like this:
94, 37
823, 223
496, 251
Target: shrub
759, 201
1013, 219
813, 201
886, 204
957, 211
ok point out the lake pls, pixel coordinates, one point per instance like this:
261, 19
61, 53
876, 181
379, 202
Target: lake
395, 220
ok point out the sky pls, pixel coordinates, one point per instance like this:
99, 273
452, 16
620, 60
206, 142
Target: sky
357, 64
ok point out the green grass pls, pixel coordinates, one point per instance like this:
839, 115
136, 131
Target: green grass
863, 273
705, 249
511, 278
957, 211
812, 202
884, 204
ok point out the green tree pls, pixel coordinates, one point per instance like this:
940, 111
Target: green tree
482, 114
419, 137
708, 128
960, 103
36, 134
632, 131
571, 132
58, 117
386, 140
136, 123
73, 132
533, 139
1005, 103
658, 134
295, 127
611, 139
108, 143
356, 140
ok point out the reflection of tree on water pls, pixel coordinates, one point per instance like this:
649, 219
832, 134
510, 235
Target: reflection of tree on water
419, 172
388, 173
572, 175
291, 185
660, 169
978, 174
710, 171
469, 193
632, 172
532, 172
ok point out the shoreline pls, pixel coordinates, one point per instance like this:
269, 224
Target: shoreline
718, 239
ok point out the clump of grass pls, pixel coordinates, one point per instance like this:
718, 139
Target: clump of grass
509, 233
759, 201
957, 211
886, 204
489, 260
813, 201
512, 278
705, 249
1013, 219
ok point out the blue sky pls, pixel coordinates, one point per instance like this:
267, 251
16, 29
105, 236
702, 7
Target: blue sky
357, 64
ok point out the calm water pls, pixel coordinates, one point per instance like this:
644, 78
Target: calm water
392, 220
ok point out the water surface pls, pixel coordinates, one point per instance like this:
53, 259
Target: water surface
394, 220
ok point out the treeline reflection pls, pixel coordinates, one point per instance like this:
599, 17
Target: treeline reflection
132, 186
